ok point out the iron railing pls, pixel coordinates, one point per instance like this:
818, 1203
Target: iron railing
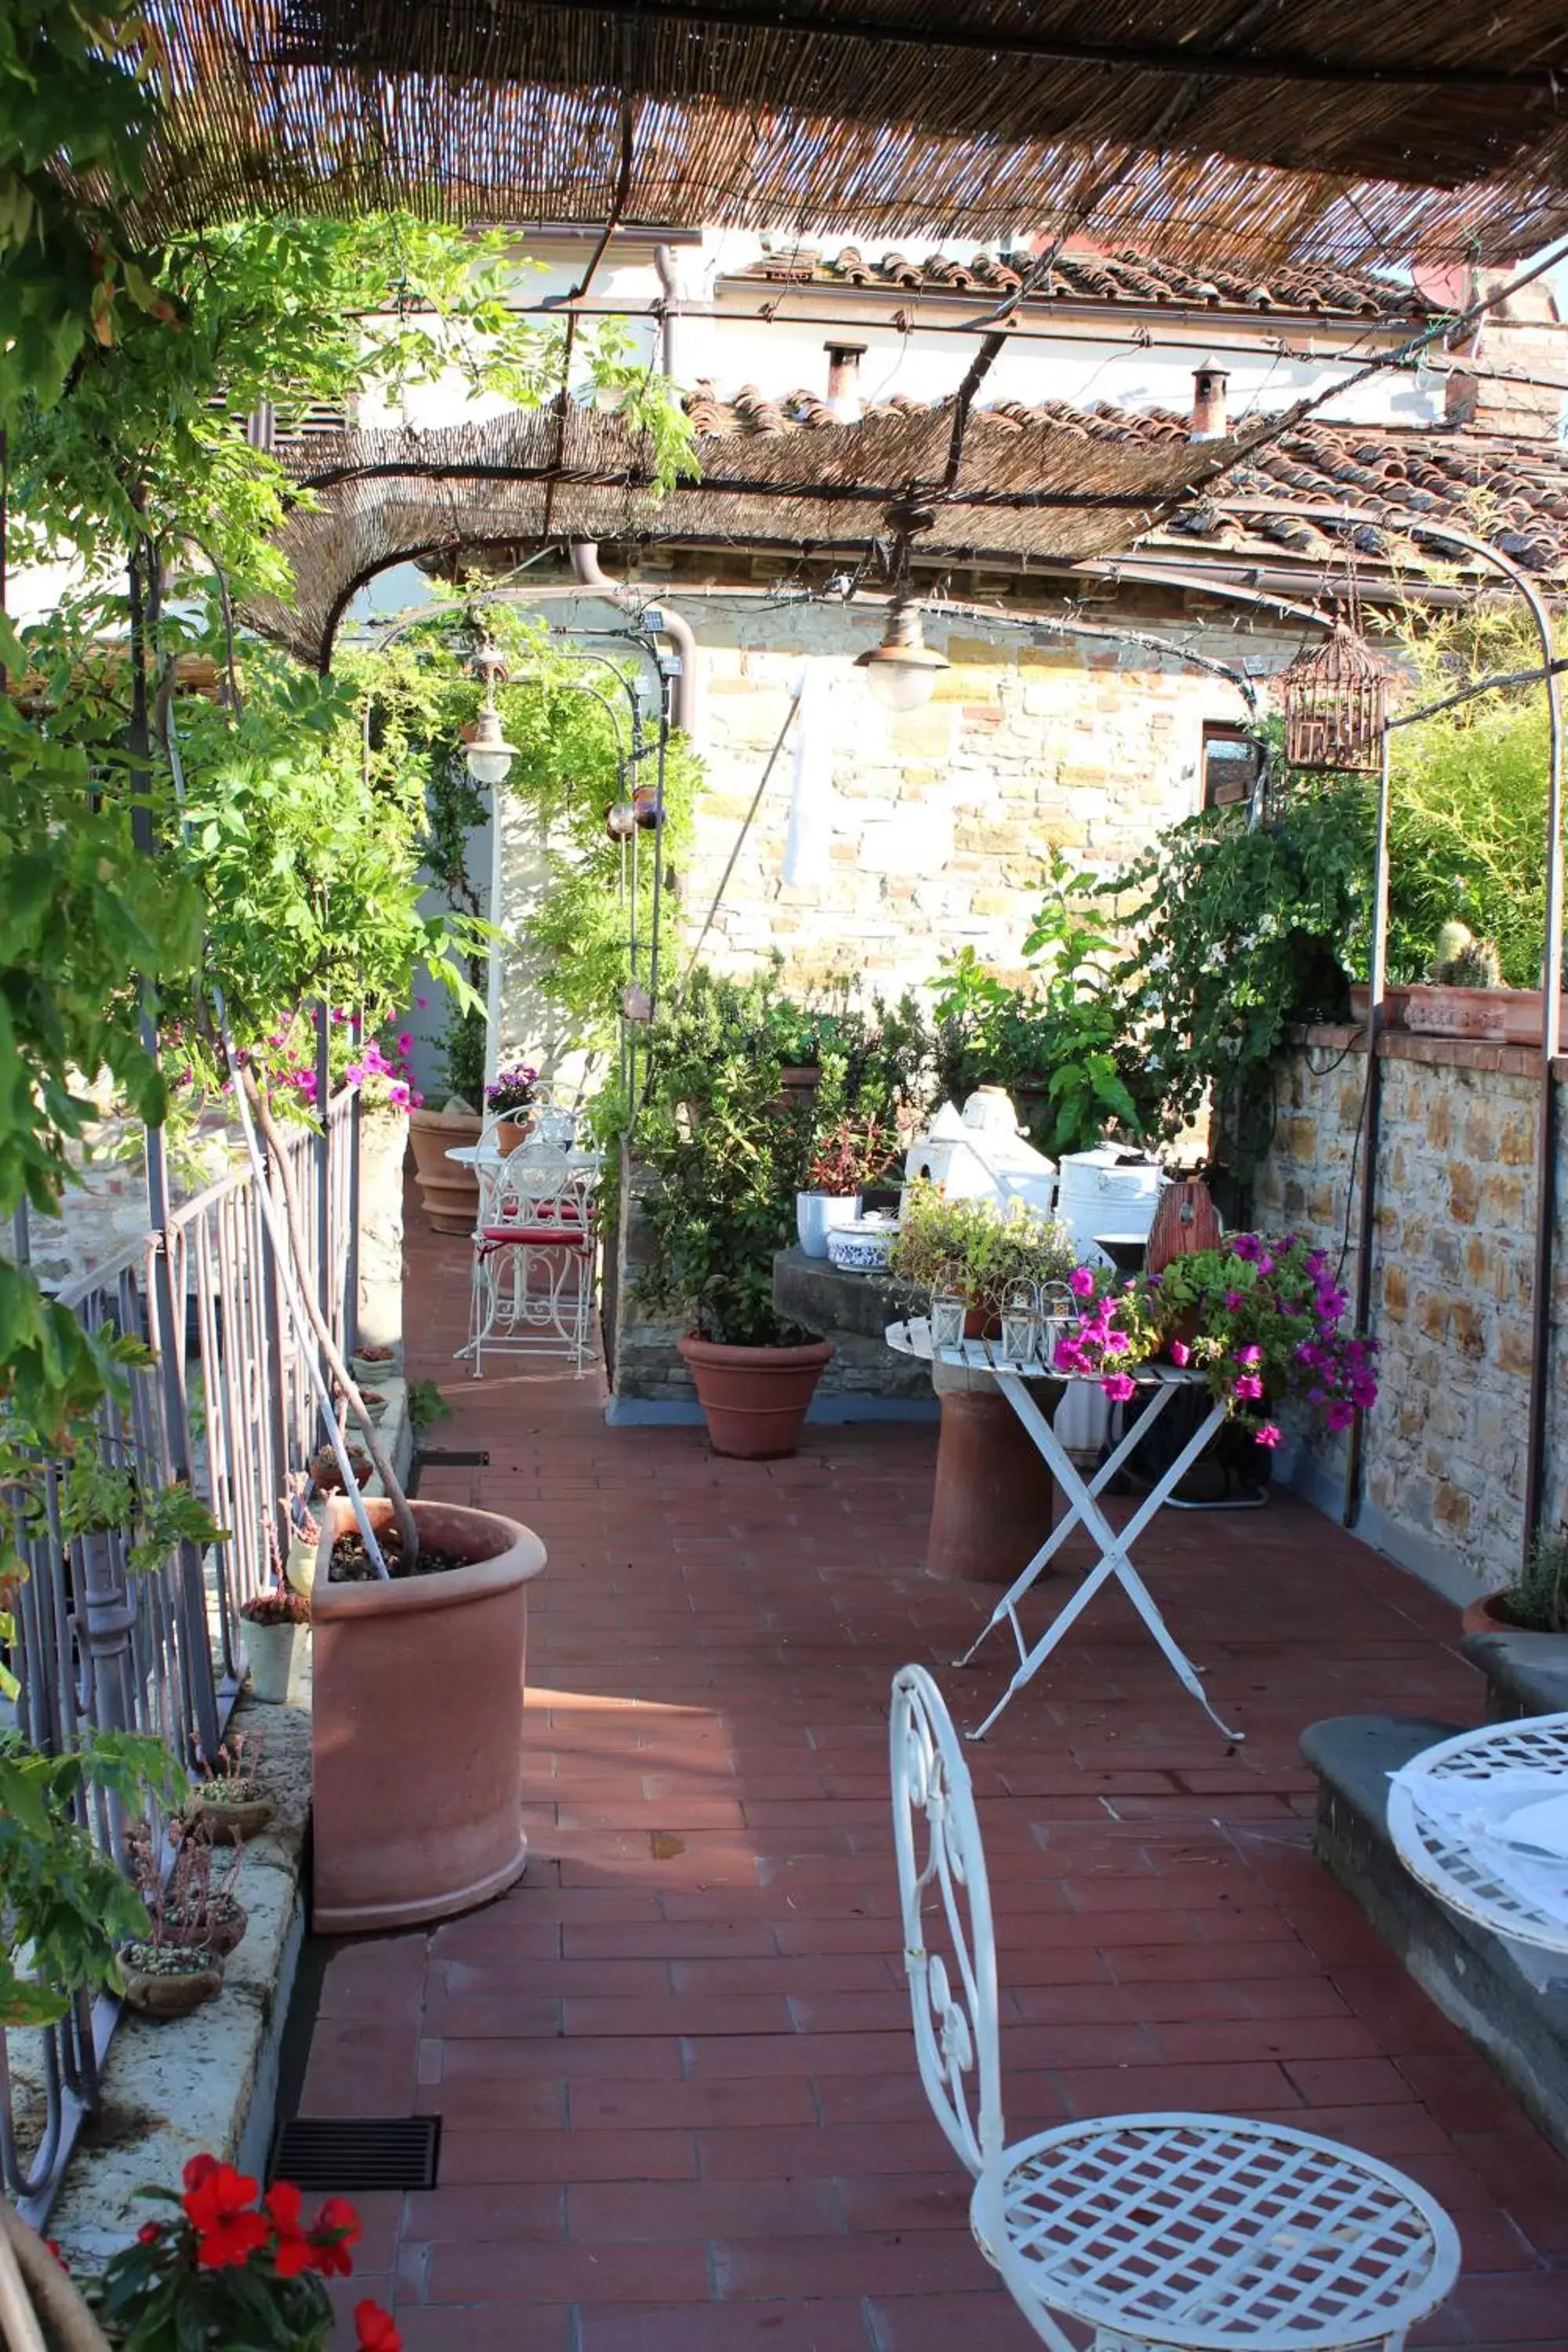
102, 1648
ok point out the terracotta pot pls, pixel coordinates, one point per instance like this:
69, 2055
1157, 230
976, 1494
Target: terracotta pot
1487, 1616
450, 1195
226, 1923
272, 1652
994, 1500
755, 1400
231, 1824
416, 1727
1496, 1016
152, 1994
982, 1323
511, 1134
1395, 1001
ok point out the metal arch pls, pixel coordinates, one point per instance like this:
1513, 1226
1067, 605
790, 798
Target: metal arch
1551, 1038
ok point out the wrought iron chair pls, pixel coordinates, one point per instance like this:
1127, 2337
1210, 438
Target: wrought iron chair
534, 1252
1159, 2232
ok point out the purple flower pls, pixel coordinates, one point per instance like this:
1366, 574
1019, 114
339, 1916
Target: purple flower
1251, 1354
1069, 1356
1340, 1413
354, 1073
1180, 1353
398, 1096
1080, 1282
1232, 1301
1248, 1386
340, 1013
306, 1081
405, 1043
1265, 1263
1247, 1246
1269, 1435
422, 1001
1119, 1387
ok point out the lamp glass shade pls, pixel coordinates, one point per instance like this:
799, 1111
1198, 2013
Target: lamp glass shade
901, 685
487, 766
902, 670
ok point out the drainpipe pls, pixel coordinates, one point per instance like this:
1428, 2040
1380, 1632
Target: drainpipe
687, 705
670, 313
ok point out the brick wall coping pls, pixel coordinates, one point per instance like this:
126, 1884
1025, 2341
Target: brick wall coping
1406, 1045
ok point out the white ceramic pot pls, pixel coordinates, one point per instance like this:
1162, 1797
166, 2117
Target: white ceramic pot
300, 1567
862, 1248
272, 1652
817, 1215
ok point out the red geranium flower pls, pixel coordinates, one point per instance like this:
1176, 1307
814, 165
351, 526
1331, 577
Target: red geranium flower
218, 2202
293, 2253
374, 2330
337, 2229
148, 2234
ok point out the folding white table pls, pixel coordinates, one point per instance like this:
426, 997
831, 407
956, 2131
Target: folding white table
1156, 1385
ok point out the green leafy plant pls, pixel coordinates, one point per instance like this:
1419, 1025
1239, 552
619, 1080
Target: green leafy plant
68, 1906
463, 1057
426, 1405
1537, 1600
851, 1157
974, 1250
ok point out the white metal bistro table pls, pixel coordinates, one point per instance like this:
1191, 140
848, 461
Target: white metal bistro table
1156, 1385
1453, 1857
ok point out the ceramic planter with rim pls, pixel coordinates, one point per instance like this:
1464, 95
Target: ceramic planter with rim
817, 1215
512, 1133
417, 1729
273, 1652
1395, 1003
1487, 1615
368, 1371
755, 1400
448, 1193
166, 1992
227, 1921
1493, 1016
300, 1564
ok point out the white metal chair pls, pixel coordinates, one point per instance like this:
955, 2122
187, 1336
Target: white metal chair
535, 1248
1159, 2232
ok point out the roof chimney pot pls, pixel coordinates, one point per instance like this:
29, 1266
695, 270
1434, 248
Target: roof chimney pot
844, 380
1208, 402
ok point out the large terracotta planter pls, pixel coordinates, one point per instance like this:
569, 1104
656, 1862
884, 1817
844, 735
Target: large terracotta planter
1487, 1615
1496, 1016
1395, 1001
416, 1733
994, 1500
448, 1194
755, 1400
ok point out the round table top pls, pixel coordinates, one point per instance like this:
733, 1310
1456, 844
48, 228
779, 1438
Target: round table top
485, 1155
1460, 1872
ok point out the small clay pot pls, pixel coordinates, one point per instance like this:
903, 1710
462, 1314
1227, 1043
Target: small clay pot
227, 1921
231, 1824
511, 1134
329, 1477
157, 1992
1489, 1615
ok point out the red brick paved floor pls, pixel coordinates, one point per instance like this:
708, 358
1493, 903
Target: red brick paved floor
681, 2110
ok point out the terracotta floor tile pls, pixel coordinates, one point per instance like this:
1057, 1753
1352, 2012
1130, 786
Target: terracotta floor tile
682, 2112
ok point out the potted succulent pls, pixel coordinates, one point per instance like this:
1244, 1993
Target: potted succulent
1464, 995
192, 1906
847, 1160
230, 1796
508, 1098
326, 1472
173, 1968
274, 1626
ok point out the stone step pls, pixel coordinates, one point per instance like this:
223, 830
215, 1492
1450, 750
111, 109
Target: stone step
1510, 2001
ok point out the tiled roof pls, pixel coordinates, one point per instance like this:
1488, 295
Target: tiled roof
1131, 280
1514, 492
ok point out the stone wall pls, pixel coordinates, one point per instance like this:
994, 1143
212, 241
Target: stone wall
941, 821
1444, 1460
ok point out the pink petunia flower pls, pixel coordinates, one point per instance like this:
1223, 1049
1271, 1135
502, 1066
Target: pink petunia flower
1270, 1435
1080, 1282
1248, 1387
1119, 1387
1180, 1353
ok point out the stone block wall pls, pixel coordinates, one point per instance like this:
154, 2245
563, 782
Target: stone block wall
1452, 1286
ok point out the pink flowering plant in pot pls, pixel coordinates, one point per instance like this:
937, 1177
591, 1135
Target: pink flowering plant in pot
1263, 1320
1113, 1330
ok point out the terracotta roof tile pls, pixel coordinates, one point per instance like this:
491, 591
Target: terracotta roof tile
1126, 277
1402, 479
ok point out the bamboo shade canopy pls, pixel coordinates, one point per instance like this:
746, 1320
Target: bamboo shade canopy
1048, 488
1412, 129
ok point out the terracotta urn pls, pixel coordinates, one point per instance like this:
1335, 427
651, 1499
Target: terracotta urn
417, 1729
755, 1400
1489, 1615
994, 1499
448, 1193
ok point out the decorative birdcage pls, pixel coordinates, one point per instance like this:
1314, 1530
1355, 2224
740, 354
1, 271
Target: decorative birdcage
1335, 704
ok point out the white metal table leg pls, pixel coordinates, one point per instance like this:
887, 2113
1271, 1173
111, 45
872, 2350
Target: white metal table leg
1114, 1560
1054, 1455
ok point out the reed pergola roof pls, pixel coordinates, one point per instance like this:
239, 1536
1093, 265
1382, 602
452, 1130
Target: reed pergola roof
1322, 129
1031, 484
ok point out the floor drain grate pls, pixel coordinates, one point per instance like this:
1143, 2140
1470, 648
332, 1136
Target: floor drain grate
451, 1457
327, 2153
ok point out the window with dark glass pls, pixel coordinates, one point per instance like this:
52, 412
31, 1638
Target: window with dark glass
1230, 765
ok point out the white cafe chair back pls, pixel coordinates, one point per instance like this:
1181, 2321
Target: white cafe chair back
1164, 2232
